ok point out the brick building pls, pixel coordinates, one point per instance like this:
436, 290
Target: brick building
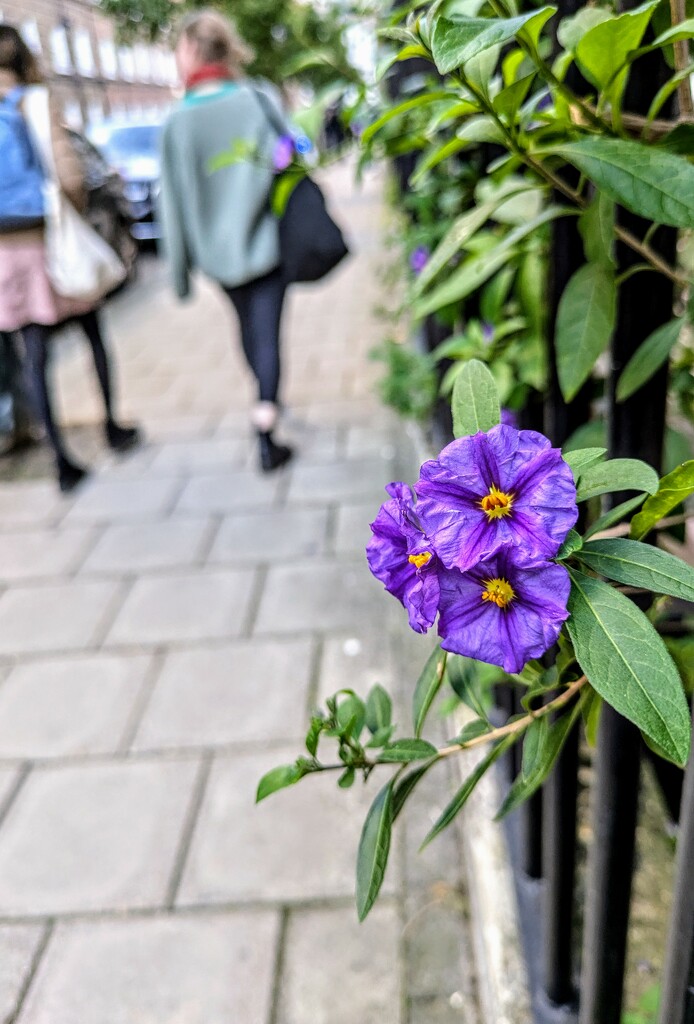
92, 75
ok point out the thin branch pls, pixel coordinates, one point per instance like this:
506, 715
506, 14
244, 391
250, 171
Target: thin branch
678, 14
520, 723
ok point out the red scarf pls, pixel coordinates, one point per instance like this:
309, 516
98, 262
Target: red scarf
208, 73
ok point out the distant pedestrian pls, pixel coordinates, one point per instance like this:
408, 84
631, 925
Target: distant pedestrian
28, 301
216, 213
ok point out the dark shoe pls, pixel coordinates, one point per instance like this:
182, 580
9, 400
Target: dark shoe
272, 455
69, 474
121, 438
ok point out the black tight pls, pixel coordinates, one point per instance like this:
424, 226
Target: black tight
259, 307
36, 344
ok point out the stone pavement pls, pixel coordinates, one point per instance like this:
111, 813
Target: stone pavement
164, 634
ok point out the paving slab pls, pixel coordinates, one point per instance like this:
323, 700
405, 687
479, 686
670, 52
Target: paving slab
297, 845
68, 706
337, 971
194, 456
54, 617
140, 547
352, 532
372, 441
8, 780
220, 493
356, 662
34, 502
18, 946
102, 499
93, 837
182, 606
321, 595
202, 969
247, 692
271, 536
31, 554
339, 481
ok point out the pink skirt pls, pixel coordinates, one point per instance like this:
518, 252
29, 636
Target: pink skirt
26, 295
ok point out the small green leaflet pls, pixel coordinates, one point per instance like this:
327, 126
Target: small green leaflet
604, 49
407, 750
580, 458
674, 488
648, 358
585, 321
428, 685
453, 241
640, 565
475, 401
656, 185
573, 542
374, 847
628, 664
379, 709
596, 225
616, 475
277, 778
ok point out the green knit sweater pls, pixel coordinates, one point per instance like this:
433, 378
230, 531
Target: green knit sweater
214, 208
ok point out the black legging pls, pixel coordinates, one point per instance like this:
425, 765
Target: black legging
36, 344
259, 307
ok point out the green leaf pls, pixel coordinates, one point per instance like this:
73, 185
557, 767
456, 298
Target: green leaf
507, 102
428, 685
313, 735
592, 714
547, 742
276, 779
454, 42
481, 129
351, 715
585, 321
461, 797
571, 30
433, 157
616, 475
346, 780
381, 737
379, 709
573, 542
652, 183
463, 675
604, 49
640, 565
282, 190
472, 274
471, 730
628, 664
580, 458
475, 401
421, 100
462, 229
596, 225
374, 846
648, 358
407, 750
673, 489
615, 515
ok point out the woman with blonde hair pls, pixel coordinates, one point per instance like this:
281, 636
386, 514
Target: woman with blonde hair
28, 301
215, 207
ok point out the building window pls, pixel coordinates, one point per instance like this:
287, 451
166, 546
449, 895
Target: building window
60, 51
72, 113
143, 64
126, 62
84, 54
96, 113
30, 35
108, 59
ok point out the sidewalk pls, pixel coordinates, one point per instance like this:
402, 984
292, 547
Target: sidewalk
163, 636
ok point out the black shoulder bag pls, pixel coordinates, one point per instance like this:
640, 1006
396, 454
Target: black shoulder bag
311, 243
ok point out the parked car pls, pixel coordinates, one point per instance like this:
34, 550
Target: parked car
108, 210
132, 149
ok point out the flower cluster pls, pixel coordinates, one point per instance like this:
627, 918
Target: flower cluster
286, 148
476, 547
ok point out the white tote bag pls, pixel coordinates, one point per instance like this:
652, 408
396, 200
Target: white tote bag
79, 263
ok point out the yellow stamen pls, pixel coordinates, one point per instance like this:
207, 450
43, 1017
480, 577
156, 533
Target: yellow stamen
499, 591
497, 503
420, 560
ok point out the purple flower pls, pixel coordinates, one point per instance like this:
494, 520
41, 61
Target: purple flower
419, 259
400, 556
501, 613
507, 488
487, 332
283, 153
509, 418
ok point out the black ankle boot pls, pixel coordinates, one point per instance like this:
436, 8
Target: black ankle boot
272, 455
69, 474
121, 438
